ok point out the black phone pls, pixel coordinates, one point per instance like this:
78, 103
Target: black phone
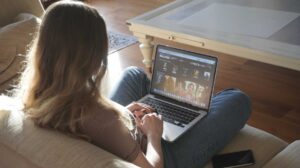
235, 159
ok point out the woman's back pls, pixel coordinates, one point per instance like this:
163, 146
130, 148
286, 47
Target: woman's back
64, 68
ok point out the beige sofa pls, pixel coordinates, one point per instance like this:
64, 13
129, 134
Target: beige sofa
24, 145
18, 21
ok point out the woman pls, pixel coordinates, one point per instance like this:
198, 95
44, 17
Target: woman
60, 90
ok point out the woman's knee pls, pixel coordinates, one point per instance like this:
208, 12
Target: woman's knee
243, 101
134, 73
238, 99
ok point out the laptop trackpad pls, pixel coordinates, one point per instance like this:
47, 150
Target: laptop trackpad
171, 131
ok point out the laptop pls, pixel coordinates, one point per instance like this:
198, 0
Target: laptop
181, 88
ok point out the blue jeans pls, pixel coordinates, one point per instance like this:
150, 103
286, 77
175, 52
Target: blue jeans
229, 111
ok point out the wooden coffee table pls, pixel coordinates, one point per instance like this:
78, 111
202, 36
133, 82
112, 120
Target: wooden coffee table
264, 31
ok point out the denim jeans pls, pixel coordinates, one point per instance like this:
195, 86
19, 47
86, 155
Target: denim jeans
229, 111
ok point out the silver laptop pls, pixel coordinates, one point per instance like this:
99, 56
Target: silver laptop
181, 88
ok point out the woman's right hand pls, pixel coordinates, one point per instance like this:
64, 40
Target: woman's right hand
151, 125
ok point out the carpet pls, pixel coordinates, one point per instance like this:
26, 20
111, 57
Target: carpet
118, 41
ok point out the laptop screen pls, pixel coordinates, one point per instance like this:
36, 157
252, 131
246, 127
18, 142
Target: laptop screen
184, 76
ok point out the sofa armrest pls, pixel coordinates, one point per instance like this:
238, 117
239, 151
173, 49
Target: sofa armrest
9, 9
288, 158
263, 145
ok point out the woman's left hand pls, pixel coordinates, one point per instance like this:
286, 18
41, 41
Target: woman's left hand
140, 109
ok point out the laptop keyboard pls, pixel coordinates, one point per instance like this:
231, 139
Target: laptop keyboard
170, 113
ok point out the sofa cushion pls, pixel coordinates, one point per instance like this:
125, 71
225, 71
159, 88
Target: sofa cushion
288, 158
264, 145
48, 148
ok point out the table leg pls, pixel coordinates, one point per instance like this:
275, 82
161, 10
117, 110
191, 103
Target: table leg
146, 47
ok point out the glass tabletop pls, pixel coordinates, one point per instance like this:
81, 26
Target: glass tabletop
271, 26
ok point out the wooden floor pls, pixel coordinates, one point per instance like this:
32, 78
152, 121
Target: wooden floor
275, 91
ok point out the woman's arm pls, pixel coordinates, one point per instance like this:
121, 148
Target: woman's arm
154, 152
152, 126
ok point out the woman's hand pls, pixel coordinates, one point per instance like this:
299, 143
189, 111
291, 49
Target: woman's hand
147, 120
151, 125
139, 109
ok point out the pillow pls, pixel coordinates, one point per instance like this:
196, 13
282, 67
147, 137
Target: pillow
20, 32
7, 56
8, 77
14, 40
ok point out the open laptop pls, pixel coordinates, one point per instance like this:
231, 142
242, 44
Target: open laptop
181, 88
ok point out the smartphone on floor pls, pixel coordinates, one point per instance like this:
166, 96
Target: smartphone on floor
235, 159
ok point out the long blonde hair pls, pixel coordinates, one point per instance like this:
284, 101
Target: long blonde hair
65, 66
